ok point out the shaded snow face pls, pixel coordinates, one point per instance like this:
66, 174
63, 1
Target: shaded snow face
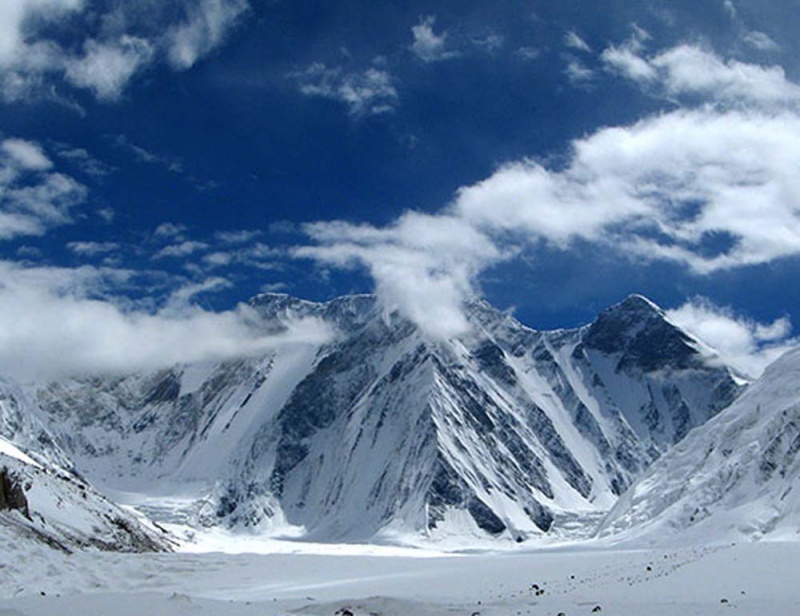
734, 476
385, 432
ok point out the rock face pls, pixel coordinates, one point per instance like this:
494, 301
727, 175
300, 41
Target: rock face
506, 431
12, 496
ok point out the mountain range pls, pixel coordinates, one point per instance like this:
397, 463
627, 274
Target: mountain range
386, 432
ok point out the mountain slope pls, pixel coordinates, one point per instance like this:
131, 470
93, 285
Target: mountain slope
504, 431
737, 475
44, 503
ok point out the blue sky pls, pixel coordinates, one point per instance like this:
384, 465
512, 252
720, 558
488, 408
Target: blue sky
163, 161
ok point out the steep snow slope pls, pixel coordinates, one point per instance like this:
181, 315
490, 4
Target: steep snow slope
736, 475
384, 432
63, 511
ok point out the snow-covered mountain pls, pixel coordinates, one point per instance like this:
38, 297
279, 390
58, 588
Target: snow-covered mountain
385, 431
737, 475
41, 502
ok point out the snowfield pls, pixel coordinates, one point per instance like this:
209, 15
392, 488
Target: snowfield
746, 578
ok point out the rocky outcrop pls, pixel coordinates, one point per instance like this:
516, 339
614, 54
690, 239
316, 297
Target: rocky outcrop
12, 494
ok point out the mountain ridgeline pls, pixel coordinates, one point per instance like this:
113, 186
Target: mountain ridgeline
387, 432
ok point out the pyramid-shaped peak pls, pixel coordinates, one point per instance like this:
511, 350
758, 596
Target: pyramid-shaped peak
639, 330
636, 303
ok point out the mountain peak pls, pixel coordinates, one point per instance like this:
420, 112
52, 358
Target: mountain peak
640, 331
637, 303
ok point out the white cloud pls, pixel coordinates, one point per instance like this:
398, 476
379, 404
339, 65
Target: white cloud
81, 158
116, 43
169, 230
207, 24
236, 237
369, 92
760, 41
429, 46
578, 73
106, 68
26, 154
33, 198
528, 53
423, 266
173, 165
181, 249
690, 71
708, 189
489, 43
50, 327
91, 249
741, 342
574, 41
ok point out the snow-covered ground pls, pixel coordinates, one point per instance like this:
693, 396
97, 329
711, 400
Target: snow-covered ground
746, 578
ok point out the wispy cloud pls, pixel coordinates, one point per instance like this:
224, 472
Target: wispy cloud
53, 324
741, 342
205, 27
172, 164
115, 44
574, 41
760, 41
181, 249
33, 197
83, 160
691, 71
429, 46
92, 249
578, 73
368, 92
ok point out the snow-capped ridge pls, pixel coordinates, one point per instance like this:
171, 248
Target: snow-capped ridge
506, 430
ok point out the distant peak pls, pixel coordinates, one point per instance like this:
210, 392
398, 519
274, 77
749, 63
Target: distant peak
637, 303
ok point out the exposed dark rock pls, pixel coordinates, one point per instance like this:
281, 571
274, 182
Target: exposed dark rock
12, 494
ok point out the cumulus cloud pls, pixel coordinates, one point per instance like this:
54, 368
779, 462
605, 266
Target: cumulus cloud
368, 92
429, 46
117, 43
741, 342
50, 327
33, 197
